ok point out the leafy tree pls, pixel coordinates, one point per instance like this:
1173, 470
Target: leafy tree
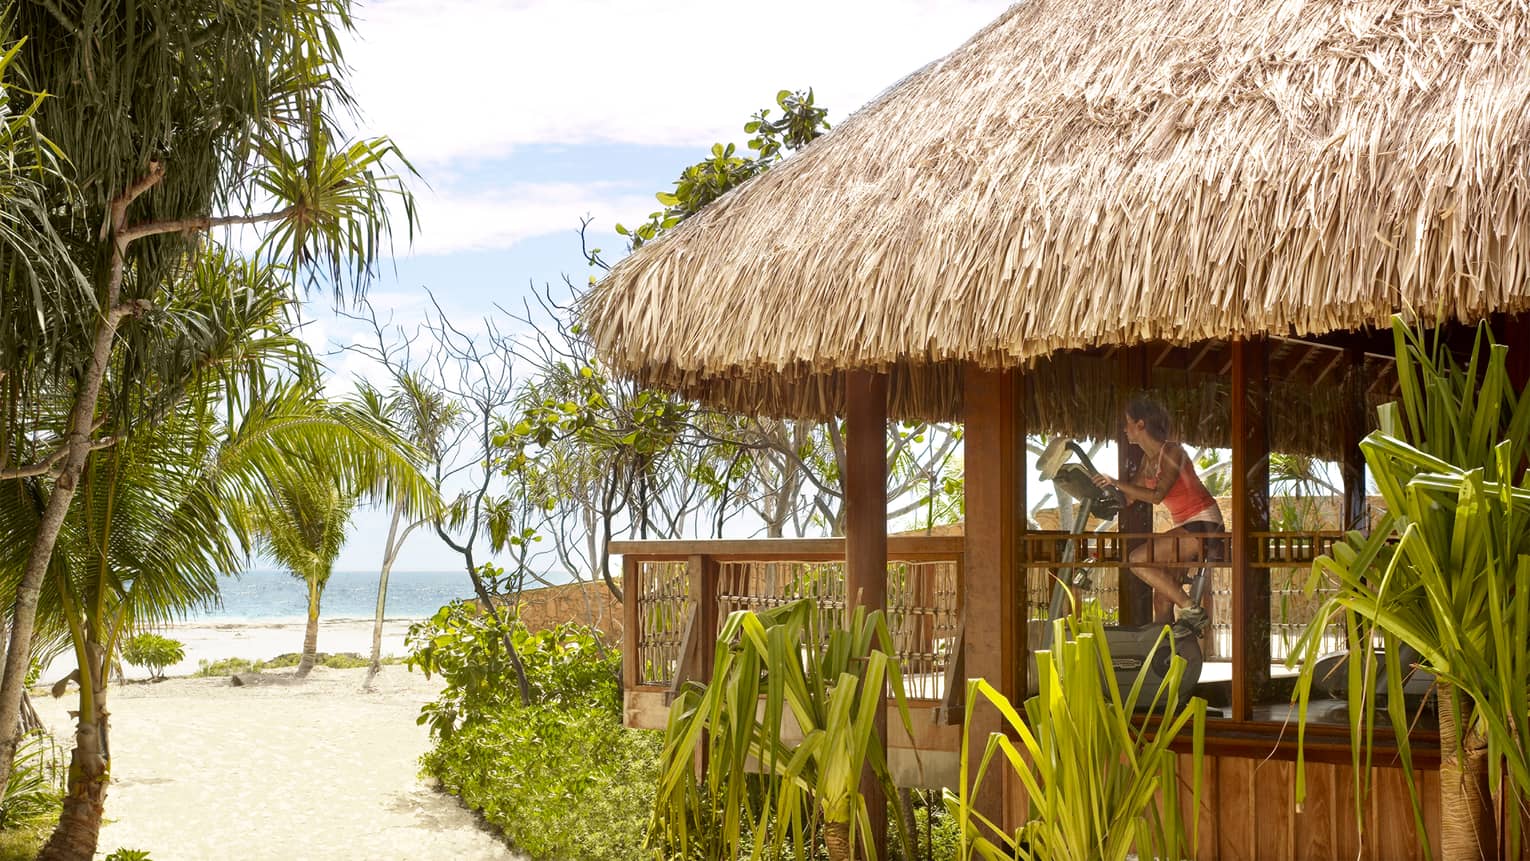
726, 168
473, 376
177, 118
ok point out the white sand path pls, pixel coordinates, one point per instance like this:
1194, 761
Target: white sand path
311, 772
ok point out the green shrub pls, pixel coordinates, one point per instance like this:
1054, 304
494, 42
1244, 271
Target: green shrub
564, 665
154, 652
125, 854
339, 661
561, 778
560, 782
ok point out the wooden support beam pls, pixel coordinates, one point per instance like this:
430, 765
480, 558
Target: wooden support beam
994, 589
866, 536
1194, 364
632, 590
703, 576
1135, 596
1352, 426
1250, 514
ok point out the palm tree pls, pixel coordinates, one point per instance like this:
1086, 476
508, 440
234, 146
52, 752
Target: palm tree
152, 527
147, 543
303, 527
241, 94
302, 521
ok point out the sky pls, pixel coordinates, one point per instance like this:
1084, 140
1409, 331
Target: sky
523, 117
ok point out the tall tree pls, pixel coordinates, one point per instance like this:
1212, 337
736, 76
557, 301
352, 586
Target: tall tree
177, 118
425, 418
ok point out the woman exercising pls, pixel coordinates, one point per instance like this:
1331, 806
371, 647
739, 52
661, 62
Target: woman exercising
1166, 476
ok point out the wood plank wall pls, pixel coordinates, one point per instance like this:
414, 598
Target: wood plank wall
1248, 812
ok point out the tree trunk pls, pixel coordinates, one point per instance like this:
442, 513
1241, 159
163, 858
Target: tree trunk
79, 826
1467, 828
837, 839
389, 552
311, 636
19, 651
82, 418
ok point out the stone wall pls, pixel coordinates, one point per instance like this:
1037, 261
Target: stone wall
586, 603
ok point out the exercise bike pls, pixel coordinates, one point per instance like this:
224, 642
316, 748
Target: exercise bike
1130, 648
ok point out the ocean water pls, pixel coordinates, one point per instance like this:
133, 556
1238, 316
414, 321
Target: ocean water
277, 596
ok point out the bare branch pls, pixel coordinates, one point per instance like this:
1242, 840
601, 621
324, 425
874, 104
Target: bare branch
196, 224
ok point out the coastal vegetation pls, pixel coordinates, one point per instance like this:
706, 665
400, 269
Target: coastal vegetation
290, 660
150, 384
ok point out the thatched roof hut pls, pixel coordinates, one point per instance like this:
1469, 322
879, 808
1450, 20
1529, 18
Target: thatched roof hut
1087, 175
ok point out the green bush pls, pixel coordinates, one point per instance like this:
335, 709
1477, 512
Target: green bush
560, 778
564, 666
154, 652
560, 782
224, 667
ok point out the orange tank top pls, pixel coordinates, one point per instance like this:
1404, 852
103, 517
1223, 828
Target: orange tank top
1188, 499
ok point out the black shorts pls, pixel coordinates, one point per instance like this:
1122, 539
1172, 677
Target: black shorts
1214, 549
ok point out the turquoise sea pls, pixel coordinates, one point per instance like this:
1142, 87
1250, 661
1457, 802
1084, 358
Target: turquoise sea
269, 596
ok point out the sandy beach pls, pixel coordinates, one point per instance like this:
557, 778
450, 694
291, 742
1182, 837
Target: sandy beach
310, 772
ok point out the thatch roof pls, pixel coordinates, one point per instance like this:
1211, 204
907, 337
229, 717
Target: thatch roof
1094, 173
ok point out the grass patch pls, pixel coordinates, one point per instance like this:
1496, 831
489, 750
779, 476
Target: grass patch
22, 842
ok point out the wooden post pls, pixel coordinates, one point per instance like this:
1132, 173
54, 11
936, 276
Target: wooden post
1135, 597
866, 535
1352, 426
994, 600
703, 576
631, 590
1250, 514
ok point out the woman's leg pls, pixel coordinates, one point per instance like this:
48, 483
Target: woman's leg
1168, 592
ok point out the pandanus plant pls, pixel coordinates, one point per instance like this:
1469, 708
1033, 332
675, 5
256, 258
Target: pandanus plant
760, 792
1446, 572
1096, 762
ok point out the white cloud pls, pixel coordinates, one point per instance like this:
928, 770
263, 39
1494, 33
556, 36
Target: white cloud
472, 79
454, 219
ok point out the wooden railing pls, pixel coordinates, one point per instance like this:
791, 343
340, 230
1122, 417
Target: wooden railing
676, 595
1286, 557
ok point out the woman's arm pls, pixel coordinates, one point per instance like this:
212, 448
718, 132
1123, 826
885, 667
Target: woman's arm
1174, 461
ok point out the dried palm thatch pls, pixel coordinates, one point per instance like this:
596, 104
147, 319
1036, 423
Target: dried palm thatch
1092, 173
